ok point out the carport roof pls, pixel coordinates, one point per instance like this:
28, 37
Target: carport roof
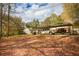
45, 27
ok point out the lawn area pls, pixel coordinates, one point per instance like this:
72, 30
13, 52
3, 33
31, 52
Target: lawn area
37, 45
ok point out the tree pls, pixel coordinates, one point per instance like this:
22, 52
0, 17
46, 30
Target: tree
1, 12
52, 21
71, 12
34, 24
10, 25
56, 20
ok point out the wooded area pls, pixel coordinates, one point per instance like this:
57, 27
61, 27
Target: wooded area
12, 25
68, 16
9, 25
15, 42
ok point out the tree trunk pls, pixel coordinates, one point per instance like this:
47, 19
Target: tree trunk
1, 12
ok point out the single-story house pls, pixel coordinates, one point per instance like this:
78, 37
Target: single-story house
54, 29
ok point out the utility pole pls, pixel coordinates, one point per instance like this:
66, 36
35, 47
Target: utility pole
1, 12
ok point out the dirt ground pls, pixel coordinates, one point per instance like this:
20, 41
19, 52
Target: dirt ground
40, 45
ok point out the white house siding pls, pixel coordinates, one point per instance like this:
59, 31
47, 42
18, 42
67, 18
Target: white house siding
27, 31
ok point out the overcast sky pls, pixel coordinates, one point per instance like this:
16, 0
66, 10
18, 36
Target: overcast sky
30, 11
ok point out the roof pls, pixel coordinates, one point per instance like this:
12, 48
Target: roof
45, 27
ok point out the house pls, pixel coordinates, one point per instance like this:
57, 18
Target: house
27, 30
63, 28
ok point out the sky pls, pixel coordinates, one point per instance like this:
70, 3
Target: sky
40, 11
